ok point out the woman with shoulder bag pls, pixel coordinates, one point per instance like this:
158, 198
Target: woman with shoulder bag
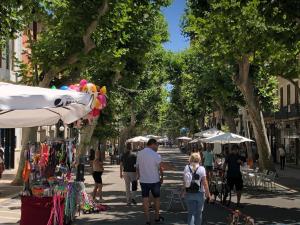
97, 175
196, 187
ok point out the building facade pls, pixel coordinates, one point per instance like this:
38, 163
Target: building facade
10, 139
283, 126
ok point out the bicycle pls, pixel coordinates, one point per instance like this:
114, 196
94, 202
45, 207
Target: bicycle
219, 187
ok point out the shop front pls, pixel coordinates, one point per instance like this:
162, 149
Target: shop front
288, 135
8, 143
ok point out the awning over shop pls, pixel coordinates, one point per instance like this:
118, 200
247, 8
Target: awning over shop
27, 106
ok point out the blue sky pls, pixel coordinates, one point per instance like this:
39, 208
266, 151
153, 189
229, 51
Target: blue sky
173, 15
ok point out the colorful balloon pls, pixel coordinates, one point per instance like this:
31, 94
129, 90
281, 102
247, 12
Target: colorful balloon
95, 112
64, 88
103, 90
83, 82
91, 88
102, 99
53, 87
97, 104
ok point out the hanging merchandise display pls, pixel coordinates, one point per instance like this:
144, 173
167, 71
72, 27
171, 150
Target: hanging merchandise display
47, 177
51, 195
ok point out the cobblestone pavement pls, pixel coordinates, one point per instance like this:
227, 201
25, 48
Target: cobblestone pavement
280, 207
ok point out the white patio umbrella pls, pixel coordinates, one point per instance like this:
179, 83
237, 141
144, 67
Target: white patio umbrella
153, 136
138, 139
27, 106
227, 138
209, 133
195, 140
184, 138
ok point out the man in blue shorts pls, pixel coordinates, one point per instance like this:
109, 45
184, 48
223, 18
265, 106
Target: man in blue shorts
234, 175
150, 174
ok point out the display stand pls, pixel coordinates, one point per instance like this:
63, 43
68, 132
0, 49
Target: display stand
37, 210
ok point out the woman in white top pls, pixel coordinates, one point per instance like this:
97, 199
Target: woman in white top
196, 187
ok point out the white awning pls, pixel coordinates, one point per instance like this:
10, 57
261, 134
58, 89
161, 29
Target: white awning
138, 139
227, 138
27, 106
209, 133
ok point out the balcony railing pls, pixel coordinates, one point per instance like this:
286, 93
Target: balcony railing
288, 112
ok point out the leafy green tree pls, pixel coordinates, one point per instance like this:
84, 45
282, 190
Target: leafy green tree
14, 16
240, 36
95, 38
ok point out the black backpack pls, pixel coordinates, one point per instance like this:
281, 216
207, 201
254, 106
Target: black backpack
194, 188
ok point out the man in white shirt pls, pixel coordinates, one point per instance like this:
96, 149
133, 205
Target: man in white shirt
150, 174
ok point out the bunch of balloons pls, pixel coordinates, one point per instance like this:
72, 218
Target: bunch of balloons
98, 93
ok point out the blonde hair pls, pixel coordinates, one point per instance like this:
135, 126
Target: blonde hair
195, 158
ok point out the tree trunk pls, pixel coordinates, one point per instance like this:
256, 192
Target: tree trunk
29, 135
229, 119
230, 122
127, 132
86, 134
53, 72
246, 86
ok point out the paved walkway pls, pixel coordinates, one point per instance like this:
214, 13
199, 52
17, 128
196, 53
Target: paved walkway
289, 177
6, 189
268, 208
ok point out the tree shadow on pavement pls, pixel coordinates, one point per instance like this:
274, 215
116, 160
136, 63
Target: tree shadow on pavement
266, 215
255, 194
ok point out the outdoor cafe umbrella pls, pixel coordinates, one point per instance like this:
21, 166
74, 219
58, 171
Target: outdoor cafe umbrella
153, 136
227, 138
138, 139
184, 139
195, 140
209, 133
27, 106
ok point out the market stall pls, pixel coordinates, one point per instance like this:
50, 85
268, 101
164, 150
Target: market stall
51, 195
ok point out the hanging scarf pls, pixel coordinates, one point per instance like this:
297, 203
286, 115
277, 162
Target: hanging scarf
56, 216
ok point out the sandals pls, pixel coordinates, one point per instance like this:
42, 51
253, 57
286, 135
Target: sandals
160, 219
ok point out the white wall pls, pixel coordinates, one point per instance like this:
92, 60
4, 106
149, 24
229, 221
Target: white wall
15, 49
282, 83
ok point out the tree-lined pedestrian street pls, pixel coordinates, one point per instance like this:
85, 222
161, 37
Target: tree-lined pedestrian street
195, 102
278, 207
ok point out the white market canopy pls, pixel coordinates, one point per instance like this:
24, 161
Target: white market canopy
138, 139
209, 133
227, 138
184, 138
165, 139
153, 136
196, 140
27, 106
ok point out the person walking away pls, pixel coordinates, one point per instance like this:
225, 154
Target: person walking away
208, 163
196, 187
282, 157
234, 176
150, 174
128, 172
97, 175
2, 166
92, 156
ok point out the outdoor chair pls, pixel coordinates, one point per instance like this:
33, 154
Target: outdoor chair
268, 180
175, 196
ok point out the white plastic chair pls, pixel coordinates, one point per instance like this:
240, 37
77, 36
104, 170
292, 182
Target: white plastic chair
268, 180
